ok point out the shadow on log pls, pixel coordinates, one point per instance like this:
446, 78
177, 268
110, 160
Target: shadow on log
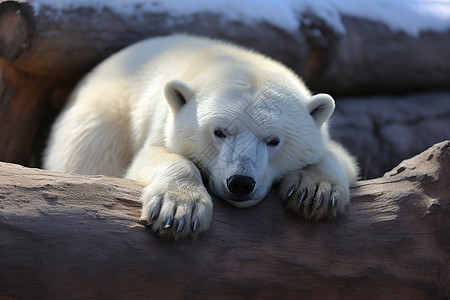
75, 236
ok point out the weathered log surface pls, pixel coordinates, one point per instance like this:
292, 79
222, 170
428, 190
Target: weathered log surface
76, 237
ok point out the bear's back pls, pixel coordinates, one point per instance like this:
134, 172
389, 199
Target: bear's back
180, 56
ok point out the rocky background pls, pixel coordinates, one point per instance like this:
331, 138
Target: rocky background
71, 236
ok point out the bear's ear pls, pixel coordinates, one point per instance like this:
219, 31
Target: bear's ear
177, 93
321, 107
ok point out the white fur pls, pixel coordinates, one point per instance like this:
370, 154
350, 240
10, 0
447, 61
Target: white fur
152, 111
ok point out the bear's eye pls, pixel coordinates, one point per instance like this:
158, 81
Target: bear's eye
273, 142
219, 133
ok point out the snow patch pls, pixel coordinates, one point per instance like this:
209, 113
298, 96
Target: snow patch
410, 16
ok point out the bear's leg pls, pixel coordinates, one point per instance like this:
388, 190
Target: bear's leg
175, 202
88, 142
321, 190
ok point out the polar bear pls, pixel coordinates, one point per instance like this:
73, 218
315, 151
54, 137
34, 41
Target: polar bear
180, 112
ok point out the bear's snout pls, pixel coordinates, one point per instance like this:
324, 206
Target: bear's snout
240, 185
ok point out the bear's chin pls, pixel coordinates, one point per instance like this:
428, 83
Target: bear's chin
243, 204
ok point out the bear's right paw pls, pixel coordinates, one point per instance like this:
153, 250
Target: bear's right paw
176, 212
313, 194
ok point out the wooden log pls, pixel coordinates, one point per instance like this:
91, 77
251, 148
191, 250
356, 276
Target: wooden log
73, 236
16, 29
368, 58
28, 102
21, 107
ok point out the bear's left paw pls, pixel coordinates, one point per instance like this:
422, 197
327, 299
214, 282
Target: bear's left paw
313, 195
176, 211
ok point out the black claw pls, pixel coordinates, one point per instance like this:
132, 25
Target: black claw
322, 197
333, 202
155, 213
291, 191
168, 223
303, 197
195, 225
180, 224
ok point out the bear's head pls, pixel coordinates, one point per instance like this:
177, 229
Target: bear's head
245, 132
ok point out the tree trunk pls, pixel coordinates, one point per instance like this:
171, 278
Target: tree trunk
63, 44
74, 236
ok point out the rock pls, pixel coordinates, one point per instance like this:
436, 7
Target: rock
381, 131
76, 236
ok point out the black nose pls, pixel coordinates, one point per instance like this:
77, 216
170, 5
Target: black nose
240, 185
